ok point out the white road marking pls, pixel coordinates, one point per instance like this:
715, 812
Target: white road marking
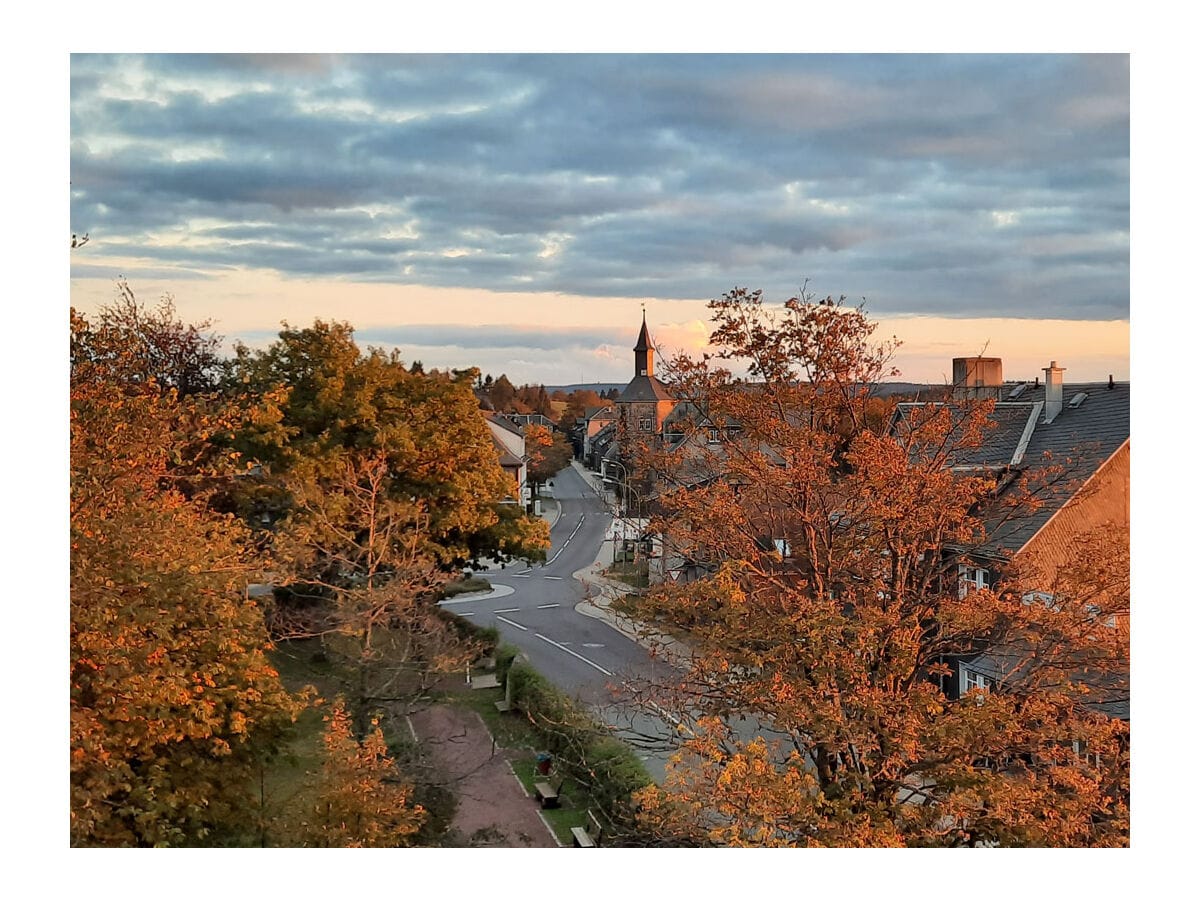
595, 666
512, 623
510, 609
522, 575
567, 541
552, 577
465, 615
548, 606
593, 646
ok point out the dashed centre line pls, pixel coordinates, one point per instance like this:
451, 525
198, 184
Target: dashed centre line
552, 577
511, 609
548, 606
595, 666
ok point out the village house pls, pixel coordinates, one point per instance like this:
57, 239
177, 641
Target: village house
508, 438
1069, 443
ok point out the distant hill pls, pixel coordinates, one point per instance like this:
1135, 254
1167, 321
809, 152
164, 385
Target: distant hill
598, 387
883, 389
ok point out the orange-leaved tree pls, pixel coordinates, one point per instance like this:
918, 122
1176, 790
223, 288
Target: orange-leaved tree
815, 707
386, 483
547, 451
174, 705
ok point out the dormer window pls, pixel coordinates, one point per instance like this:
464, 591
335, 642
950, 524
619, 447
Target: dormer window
714, 435
646, 424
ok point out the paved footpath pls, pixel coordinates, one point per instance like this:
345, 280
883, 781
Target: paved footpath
491, 802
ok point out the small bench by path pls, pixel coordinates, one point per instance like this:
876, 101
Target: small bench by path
589, 834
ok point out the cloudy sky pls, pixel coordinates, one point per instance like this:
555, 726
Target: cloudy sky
516, 212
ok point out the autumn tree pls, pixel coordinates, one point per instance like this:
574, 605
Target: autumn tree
548, 453
154, 343
368, 557
173, 702
342, 405
578, 402
813, 709
390, 485
362, 801
502, 394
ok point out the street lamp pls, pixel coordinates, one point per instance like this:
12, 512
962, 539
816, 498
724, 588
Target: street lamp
624, 500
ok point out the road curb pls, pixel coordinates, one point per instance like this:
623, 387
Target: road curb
497, 590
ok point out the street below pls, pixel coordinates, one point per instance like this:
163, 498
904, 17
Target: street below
534, 608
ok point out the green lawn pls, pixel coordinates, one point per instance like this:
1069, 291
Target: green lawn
572, 797
466, 586
633, 574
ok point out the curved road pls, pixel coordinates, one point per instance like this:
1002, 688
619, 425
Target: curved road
585, 657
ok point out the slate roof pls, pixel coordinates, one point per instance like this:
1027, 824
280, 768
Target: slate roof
1108, 694
504, 422
644, 388
1002, 445
1080, 440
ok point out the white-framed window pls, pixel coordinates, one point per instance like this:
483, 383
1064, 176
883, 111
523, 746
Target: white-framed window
972, 578
975, 680
783, 547
714, 435
645, 423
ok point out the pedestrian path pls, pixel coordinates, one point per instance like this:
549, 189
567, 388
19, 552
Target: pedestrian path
493, 809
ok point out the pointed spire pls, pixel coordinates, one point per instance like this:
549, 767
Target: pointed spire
644, 336
643, 353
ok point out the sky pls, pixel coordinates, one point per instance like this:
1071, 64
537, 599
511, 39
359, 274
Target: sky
517, 212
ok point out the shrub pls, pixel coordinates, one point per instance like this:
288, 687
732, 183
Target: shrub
584, 749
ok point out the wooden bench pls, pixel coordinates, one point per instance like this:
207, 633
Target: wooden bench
547, 793
589, 834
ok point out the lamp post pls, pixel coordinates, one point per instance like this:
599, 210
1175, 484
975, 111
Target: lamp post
617, 506
624, 500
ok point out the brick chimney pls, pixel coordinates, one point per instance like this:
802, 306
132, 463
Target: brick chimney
1054, 391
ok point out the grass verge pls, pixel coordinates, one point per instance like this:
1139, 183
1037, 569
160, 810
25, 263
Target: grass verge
465, 586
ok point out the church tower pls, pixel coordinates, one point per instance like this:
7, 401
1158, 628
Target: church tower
645, 401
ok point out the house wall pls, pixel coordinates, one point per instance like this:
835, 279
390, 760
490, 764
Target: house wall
515, 444
1103, 499
633, 413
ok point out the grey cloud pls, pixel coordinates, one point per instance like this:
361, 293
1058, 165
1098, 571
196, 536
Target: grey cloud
653, 175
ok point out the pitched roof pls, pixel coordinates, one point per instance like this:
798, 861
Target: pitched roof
1079, 440
504, 422
1108, 690
644, 388
507, 459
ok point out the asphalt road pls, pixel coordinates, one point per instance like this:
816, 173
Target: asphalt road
583, 656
